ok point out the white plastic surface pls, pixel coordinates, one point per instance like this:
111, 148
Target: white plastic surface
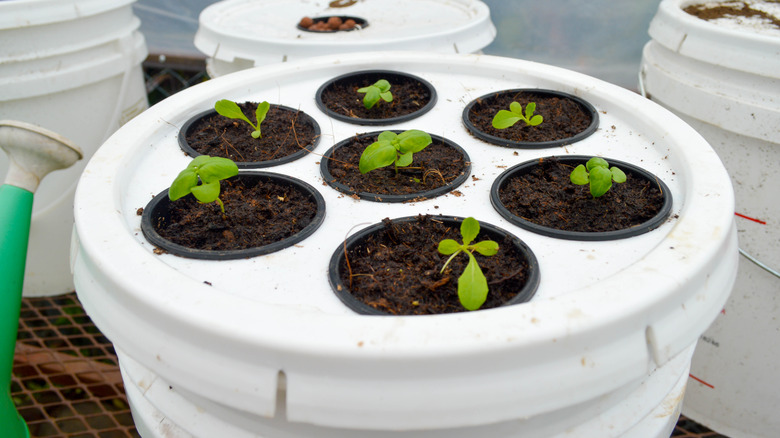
738, 49
605, 314
161, 410
239, 34
737, 109
74, 68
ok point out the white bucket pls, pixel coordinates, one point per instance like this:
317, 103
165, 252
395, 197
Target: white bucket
607, 316
724, 80
161, 410
73, 67
241, 34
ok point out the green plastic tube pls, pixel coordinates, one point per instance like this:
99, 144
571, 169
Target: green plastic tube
15, 215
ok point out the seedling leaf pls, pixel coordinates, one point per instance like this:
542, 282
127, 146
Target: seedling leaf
617, 175
393, 148
579, 175
376, 155
378, 90
600, 181
469, 229
504, 119
472, 286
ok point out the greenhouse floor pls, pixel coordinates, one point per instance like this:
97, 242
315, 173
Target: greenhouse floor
66, 380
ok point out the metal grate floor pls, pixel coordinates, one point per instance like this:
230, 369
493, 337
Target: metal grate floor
66, 380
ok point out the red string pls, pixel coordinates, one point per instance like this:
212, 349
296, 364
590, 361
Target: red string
751, 219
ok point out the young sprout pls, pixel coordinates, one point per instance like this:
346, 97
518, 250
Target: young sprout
472, 284
380, 89
598, 173
210, 171
504, 119
393, 148
231, 110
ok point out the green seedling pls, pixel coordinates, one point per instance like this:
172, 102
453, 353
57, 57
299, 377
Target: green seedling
472, 284
392, 148
380, 89
504, 119
231, 110
598, 174
210, 171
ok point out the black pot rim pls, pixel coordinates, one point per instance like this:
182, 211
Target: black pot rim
161, 201
360, 23
594, 123
342, 292
375, 197
647, 226
184, 145
376, 122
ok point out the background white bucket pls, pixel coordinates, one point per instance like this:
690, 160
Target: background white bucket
73, 67
240, 34
228, 335
724, 80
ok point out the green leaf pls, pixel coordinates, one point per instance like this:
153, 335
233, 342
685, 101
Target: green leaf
413, 140
469, 229
382, 85
449, 246
183, 184
261, 112
600, 181
387, 136
536, 120
198, 161
386, 96
217, 168
486, 247
596, 162
371, 97
231, 110
617, 175
404, 160
529, 110
376, 155
504, 119
206, 192
579, 175
516, 108
472, 286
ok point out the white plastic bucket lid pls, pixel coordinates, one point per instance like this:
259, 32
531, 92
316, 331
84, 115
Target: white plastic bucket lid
266, 30
739, 48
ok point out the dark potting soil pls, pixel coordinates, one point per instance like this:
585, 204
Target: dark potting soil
255, 215
284, 132
409, 96
732, 9
435, 166
396, 270
546, 196
563, 118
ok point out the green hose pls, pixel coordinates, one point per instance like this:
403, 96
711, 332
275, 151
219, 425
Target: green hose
15, 215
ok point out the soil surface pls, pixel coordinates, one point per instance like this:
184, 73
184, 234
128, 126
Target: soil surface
734, 9
409, 96
397, 269
435, 166
547, 197
285, 132
257, 212
563, 118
